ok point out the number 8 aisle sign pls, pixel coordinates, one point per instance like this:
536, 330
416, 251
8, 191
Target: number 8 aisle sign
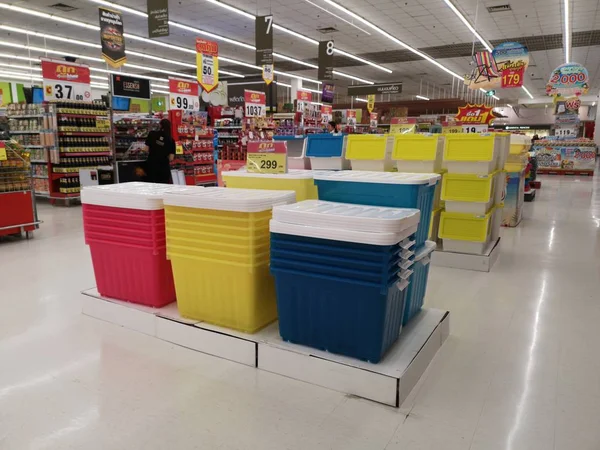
66, 81
255, 102
183, 94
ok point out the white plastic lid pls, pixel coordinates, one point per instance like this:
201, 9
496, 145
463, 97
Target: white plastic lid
134, 195
359, 176
335, 234
344, 216
229, 199
293, 174
425, 250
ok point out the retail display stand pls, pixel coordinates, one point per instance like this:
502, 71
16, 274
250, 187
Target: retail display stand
130, 133
565, 156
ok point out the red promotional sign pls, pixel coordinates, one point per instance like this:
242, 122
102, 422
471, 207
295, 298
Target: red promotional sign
207, 64
65, 81
512, 78
183, 94
305, 96
181, 86
350, 113
403, 120
474, 114
267, 147
255, 103
326, 109
267, 157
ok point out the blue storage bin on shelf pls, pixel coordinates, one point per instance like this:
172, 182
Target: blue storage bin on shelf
341, 275
327, 151
397, 190
415, 294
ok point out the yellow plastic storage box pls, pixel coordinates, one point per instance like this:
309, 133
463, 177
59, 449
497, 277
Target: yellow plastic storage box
299, 181
474, 194
218, 244
466, 233
473, 153
434, 224
419, 153
371, 152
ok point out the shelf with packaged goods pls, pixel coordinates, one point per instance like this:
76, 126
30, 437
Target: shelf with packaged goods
67, 154
84, 133
27, 116
27, 132
82, 116
38, 161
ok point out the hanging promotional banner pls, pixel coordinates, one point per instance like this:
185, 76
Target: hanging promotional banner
351, 117
370, 102
304, 96
373, 120
403, 125
328, 93
65, 81
111, 37
132, 87
474, 115
382, 88
267, 157
326, 114
325, 61
568, 79
263, 38
158, 18
255, 104
268, 73
183, 94
207, 64
504, 67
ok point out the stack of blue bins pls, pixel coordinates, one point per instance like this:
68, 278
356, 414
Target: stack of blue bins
390, 189
415, 294
341, 275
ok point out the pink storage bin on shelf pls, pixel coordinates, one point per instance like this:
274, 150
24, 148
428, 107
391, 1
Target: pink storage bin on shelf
124, 226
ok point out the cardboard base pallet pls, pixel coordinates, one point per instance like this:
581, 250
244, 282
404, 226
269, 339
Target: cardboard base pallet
479, 263
388, 382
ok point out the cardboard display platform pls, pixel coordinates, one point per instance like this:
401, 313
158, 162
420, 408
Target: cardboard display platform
480, 263
388, 382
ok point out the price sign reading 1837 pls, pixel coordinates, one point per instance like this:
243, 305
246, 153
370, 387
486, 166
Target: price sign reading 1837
183, 94
65, 81
267, 157
255, 104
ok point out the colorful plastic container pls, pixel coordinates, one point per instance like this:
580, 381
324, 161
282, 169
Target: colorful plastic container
434, 225
415, 295
478, 153
299, 181
327, 151
475, 194
466, 233
218, 244
398, 190
296, 151
370, 152
418, 153
341, 284
124, 226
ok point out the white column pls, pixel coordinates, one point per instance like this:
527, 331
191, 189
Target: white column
296, 86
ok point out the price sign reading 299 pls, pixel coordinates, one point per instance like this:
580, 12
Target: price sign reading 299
255, 103
267, 157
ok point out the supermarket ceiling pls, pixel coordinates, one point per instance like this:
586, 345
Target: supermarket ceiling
428, 26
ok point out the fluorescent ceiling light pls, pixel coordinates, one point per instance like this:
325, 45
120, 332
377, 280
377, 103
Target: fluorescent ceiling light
52, 17
341, 18
421, 97
283, 84
567, 32
394, 39
156, 91
526, 91
464, 20
361, 100
232, 41
509, 105
310, 90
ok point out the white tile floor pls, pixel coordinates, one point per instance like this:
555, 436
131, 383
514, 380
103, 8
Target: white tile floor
521, 369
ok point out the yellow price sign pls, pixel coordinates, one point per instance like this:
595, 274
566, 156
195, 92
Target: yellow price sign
102, 122
402, 128
178, 148
267, 157
452, 129
3, 156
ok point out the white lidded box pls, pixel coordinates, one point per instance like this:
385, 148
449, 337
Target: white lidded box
477, 153
418, 153
133, 195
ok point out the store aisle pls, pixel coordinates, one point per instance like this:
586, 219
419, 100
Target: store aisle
519, 371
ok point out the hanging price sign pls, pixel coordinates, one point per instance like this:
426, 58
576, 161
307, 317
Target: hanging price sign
207, 64
326, 113
267, 157
255, 104
512, 78
183, 94
373, 120
351, 117
3, 156
268, 73
65, 81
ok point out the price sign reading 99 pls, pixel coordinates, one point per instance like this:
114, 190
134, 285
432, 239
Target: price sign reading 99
183, 94
185, 102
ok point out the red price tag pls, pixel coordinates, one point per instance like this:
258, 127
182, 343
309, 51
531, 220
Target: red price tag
512, 78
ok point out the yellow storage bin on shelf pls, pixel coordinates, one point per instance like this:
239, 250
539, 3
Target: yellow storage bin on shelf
218, 244
473, 153
519, 144
466, 233
434, 224
299, 181
475, 194
370, 152
420, 153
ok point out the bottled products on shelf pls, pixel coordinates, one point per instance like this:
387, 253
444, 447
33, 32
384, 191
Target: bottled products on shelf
131, 132
94, 108
73, 164
69, 185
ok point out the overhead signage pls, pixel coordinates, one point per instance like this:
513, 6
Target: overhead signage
373, 120
325, 61
268, 73
132, 87
474, 114
304, 96
183, 94
403, 125
235, 91
568, 79
326, 113
504, 67
382, 88
65, 81
158, 18
255, 104
267, 157
207, 64
111, 37
370, 102
328, 93
263, 28
351, 117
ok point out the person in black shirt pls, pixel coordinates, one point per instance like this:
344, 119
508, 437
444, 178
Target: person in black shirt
161, 151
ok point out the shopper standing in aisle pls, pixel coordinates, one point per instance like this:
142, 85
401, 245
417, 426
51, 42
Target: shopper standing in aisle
161, 151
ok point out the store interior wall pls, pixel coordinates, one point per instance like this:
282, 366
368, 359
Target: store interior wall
543, 115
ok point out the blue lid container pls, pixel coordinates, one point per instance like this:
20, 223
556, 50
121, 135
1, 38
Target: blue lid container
415, 293
324, 145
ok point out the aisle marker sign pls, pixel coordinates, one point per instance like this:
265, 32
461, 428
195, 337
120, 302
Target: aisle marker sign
183, 94
325, 60
207, 64
267, 157
268, 71
65, 81
255, 103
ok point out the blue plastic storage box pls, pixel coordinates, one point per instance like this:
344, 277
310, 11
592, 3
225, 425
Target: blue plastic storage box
397, 190
415, 294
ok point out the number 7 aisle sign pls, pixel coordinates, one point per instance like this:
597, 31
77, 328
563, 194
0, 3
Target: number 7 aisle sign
255, 104
207, 64
183, 94
65, 81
